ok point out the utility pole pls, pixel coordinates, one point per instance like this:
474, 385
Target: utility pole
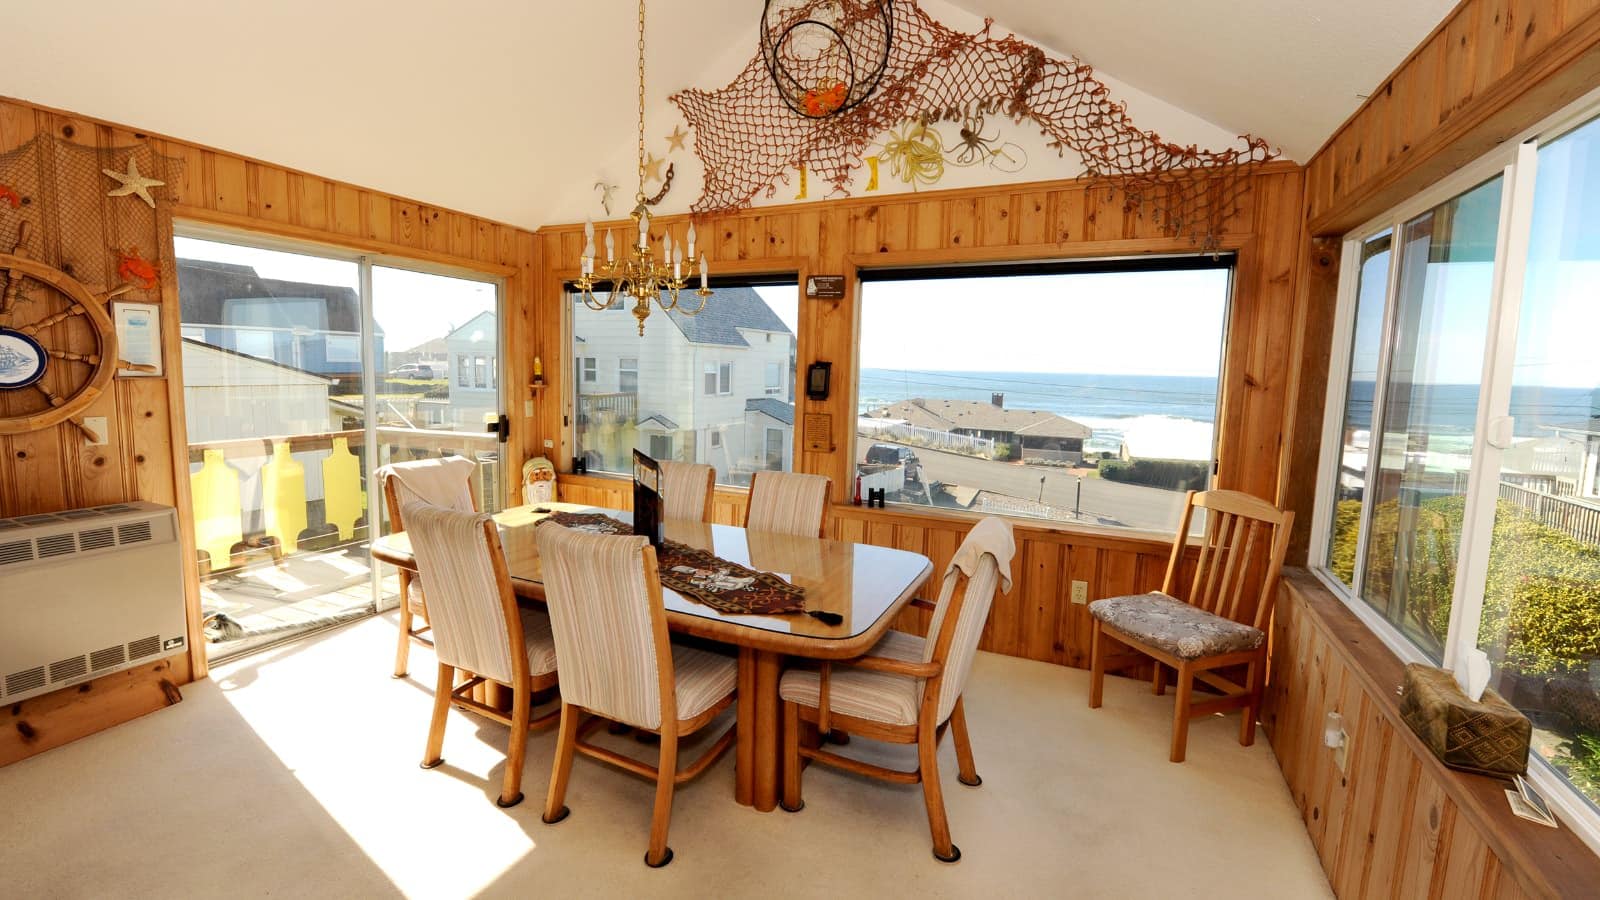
1041, 488
1077, 504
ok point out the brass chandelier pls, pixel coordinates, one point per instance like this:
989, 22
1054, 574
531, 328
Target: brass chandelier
637, 273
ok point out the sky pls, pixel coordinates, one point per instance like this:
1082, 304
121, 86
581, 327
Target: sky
1122, 323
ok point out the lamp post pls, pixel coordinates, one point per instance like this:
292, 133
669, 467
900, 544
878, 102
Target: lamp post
1077, 504
1041, 488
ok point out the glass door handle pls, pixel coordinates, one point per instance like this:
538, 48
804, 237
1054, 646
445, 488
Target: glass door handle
1500, 436
501, 428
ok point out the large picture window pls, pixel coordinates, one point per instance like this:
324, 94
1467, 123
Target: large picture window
692, 388
1460, 506
1082, 393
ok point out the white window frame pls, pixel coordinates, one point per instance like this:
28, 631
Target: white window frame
1516, 161
589, 369
623, 368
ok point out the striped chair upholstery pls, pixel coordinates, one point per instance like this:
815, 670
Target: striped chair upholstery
470, 630
446, 482
686, 490
609, 635
788, 503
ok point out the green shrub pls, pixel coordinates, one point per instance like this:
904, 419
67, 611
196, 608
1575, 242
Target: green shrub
1541, 605
1172, 474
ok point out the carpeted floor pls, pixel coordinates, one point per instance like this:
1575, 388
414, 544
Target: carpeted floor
294, 773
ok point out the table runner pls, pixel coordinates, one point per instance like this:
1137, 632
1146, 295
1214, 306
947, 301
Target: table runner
705, 577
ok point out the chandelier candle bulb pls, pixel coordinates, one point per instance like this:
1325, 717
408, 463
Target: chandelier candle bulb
703, 272
666, 247
611, 247
691, 240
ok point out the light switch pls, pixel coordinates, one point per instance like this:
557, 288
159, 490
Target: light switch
97, 424
527, 409
1080, 592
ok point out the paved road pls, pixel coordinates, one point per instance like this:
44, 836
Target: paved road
1130, 505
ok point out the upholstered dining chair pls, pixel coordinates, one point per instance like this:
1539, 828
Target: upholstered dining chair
788, 503
906, 690
686, 490
604, 596
479, 629
1218, 620
443, 482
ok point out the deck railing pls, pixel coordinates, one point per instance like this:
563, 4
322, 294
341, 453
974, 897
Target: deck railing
918, 436
288, 493
1574, 517
624, 406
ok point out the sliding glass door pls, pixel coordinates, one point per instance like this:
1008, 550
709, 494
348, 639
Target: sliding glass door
304, 371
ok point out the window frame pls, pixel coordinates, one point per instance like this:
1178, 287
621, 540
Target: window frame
1516, 160
903, 267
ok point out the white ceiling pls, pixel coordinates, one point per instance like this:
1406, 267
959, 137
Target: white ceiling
502, 107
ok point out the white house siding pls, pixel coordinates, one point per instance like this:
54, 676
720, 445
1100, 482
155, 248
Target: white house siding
469, 404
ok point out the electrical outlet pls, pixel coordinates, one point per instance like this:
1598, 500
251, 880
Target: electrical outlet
1080, 592
549, 444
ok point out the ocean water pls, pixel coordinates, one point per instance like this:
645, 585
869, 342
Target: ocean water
1452, 409
1160, 415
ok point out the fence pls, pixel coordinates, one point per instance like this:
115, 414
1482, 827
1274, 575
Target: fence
1574, 517
916, 436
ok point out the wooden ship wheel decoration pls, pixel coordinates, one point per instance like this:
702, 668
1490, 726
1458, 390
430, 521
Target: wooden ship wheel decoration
50, 370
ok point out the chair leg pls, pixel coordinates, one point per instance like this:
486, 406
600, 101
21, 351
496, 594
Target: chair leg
402, 653
1158, 680
944, 850
666, 771
791, 801
1247, 728
1180, 713
958, 727
1097, 666
516, 752
441, 711
566, 746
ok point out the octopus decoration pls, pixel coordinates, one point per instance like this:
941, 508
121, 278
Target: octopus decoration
826, 58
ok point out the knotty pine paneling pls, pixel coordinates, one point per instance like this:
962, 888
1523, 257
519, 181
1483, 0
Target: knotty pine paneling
1491, 69
1048, 220
1396, 823
145, 457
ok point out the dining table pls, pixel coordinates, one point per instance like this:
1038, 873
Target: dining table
865, 586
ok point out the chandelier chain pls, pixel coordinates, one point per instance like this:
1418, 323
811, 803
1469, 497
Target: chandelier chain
641, 102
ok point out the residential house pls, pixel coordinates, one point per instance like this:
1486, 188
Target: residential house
1029, 433
739, 357
473, 352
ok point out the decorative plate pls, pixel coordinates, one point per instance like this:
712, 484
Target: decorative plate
22, 360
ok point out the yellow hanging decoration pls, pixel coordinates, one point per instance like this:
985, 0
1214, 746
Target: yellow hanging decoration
872, 166
802, 194
915, 154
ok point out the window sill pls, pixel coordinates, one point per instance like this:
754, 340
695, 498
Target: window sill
1554, 861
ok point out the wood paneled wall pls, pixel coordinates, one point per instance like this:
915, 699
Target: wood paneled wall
1491, 69
1396, 822
1041, 221
146, 457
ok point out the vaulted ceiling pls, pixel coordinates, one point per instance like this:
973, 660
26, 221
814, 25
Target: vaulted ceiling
501, 107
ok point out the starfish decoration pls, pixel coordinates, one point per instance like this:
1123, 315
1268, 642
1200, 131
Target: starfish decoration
131, 182
652, 168
606, 190
675, 139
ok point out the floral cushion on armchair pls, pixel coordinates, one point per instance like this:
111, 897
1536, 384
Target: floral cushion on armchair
1174, 626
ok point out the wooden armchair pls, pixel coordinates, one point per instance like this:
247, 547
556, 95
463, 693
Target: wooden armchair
686, 490
604, 596
479, 630
445, 482
906, 690
789, 503
1221, 622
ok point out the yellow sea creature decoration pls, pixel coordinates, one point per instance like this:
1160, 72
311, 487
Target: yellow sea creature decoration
915, 153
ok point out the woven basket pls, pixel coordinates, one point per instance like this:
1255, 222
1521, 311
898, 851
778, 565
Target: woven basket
1489, 737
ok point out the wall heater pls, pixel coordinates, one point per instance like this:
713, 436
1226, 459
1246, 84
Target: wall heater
87, 592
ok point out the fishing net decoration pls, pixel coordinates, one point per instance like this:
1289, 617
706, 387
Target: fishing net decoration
749, 137
73, 225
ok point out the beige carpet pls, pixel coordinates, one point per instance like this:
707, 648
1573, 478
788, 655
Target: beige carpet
294, 773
